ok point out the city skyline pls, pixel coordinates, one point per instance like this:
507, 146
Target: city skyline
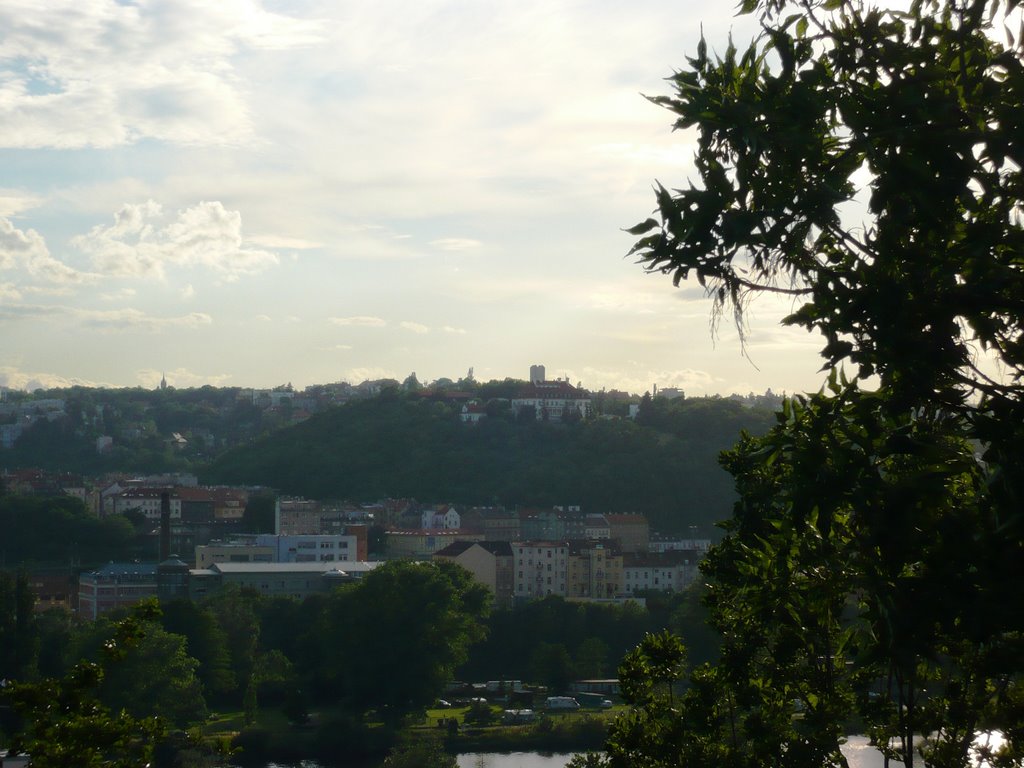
248, 193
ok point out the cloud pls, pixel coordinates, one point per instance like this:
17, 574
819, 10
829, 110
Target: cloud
283, 243
635, 381
124, 293
15, 378
134, 319
143, 242
13, 203
108, 73
450, 329
180, 378
17, 246
455, 243
414, 327
188, 292
9, 292
361, 321
108, 320
359, 375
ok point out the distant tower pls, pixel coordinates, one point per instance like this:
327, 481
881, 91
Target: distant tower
536, 374
163, 381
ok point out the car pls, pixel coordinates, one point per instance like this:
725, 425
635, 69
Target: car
442, 704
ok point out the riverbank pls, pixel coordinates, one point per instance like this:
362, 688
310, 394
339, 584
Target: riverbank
332, 738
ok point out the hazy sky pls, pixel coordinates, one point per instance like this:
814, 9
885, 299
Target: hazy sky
246, 194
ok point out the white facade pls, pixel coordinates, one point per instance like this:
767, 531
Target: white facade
309, 548
663, 577
145, 501
540, 568
432, 520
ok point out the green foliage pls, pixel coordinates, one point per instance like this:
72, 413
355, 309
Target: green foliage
154, 675
866, 570
421, 753
590, 635
391, 641
551, 666
235, 613
18, 634
206, 642
65, 725
58, 530
404, 448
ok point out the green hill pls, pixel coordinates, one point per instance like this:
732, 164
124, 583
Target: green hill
665, 466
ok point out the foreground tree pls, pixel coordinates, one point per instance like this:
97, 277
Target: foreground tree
64, 723
870, 564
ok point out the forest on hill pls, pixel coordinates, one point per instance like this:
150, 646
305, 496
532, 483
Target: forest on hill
664, 464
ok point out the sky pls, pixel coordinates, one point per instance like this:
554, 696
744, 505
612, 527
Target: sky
247, 194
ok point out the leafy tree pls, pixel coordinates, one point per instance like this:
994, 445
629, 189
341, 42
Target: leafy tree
155, 676
67, 726
592, 658
259, 514
18, 632
395, 638
206, 642
866, 567
235, 613
421, 753
551, 665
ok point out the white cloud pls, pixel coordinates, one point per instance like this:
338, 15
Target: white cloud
18, 247
15, 378
691, 381
455, 244
143, 242
12, 203
283, 243
124, 293
188, 292
134, 319
418, 328
27, 249
180, 378
361, 321
451, 329
357, 375
9, 292
105, 73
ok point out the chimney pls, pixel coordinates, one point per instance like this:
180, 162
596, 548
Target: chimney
165, 525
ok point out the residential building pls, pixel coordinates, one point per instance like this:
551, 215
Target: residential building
490, 562
632, 532
595, 570
541, 568
552, 401
146, 501
662, 571
595, 527
444, 518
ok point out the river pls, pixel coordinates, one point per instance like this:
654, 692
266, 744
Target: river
858, 751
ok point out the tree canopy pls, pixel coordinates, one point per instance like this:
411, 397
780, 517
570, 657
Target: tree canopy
867, 162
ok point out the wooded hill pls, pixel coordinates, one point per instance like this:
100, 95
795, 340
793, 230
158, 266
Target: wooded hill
663, 465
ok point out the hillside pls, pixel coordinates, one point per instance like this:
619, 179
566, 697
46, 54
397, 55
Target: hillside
665, 466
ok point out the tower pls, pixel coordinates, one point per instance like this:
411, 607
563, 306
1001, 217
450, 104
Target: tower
536, 374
